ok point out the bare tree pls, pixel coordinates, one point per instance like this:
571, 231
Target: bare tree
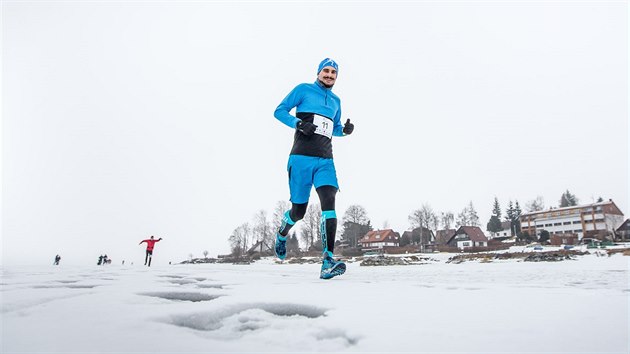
447, 219
311, 225
537, 204
421, 219
473, 218
355, 224
462, 219
262, 231
205, 254
467, 217
278, 213
435, 223
239, 240
356, 214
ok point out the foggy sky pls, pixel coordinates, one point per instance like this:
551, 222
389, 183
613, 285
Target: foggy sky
125, 120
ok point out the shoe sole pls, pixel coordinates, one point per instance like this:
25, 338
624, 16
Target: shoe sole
338, 270
280, 257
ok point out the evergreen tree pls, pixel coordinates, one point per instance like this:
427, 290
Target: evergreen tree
494, 224
517, 217
353, 232
496, 209
355, 224
544, 236
567, 199
404, 240
509, 212
600, 199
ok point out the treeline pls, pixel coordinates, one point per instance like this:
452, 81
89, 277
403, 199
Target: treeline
259, 233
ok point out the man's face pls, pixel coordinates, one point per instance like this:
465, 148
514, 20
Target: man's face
327, 76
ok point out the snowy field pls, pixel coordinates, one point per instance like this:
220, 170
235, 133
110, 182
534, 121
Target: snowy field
473, 307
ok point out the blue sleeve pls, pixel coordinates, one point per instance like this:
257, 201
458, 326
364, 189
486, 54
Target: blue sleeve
283, 110
337, 127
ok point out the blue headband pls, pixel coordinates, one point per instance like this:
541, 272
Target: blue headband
327, 62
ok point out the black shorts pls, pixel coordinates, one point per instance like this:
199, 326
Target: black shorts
150, 252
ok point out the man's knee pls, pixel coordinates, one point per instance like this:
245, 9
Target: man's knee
298, 211
327, 197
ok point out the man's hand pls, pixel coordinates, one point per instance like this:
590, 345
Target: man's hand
307, 128
348, 128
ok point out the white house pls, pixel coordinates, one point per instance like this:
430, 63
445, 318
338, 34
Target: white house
468, 236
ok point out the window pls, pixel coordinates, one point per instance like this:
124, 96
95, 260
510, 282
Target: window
577, 222
547, 225
466, 244
566, 223
557, 224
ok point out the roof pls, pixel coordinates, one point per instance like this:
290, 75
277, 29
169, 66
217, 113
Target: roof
609, 202
473, 232
371, 236
624, 226
442, 236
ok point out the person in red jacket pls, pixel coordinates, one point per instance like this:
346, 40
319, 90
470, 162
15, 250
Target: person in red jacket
150, 244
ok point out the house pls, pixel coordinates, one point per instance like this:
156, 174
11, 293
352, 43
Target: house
442, 236
468, 236
507, 230
597, 220
623, 231
380, 238
259, 247
420, 235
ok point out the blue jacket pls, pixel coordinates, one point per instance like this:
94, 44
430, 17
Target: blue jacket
310, 99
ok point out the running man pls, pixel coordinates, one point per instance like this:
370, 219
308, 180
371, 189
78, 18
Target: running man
317, 120
150, 244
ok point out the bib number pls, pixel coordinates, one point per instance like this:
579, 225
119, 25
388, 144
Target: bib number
324, 126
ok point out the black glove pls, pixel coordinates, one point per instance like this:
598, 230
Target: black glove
307, 128
348, 128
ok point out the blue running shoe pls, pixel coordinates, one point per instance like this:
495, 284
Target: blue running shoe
331, 268
281, 246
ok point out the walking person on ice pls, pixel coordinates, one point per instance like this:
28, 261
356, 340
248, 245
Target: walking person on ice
317, 120
150, 244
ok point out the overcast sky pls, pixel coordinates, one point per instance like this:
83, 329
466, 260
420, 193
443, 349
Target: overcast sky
125, 120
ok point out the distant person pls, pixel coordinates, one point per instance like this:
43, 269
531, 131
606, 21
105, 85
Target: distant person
149, 253
316, 121
100, 260
105, 260
123, 262
57, 259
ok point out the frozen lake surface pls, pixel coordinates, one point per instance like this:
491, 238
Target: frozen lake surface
504, 306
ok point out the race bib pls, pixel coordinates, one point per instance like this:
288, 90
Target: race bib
324, 126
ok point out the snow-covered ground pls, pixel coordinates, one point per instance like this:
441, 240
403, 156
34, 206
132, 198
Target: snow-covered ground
503, 306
